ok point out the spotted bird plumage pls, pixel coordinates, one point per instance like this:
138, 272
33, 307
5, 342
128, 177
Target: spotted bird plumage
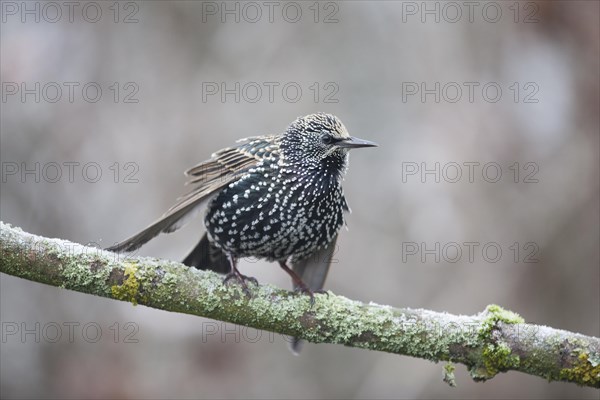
276, 197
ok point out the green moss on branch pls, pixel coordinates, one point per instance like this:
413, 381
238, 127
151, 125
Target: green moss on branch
491, 342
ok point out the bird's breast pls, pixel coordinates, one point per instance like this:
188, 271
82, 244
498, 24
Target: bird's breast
276, 212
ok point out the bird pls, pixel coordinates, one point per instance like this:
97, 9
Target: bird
273, 197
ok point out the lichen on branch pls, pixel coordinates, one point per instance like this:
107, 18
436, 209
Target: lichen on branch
491, 342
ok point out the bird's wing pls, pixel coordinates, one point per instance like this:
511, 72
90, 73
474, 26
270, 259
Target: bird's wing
313, 272
224, 167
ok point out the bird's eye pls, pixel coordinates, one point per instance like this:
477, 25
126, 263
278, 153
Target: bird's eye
326, 138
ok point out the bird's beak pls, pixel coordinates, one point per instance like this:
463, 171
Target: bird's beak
353, 143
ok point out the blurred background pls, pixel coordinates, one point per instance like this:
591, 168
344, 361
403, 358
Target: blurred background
488, 126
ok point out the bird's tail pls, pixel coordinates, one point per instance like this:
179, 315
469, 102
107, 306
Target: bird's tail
313, 272
207, 256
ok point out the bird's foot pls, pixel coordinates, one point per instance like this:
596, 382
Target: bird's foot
241, 279
303, 289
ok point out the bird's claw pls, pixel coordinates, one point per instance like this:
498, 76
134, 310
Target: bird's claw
306, 290
241, 279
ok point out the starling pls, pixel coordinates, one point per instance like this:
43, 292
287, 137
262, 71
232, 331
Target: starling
276, 197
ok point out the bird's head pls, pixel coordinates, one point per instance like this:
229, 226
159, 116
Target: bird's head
320, 140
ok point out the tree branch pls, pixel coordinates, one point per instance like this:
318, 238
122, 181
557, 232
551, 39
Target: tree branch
493, 341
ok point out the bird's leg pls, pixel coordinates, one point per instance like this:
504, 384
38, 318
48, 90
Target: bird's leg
299, 285
237, 275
